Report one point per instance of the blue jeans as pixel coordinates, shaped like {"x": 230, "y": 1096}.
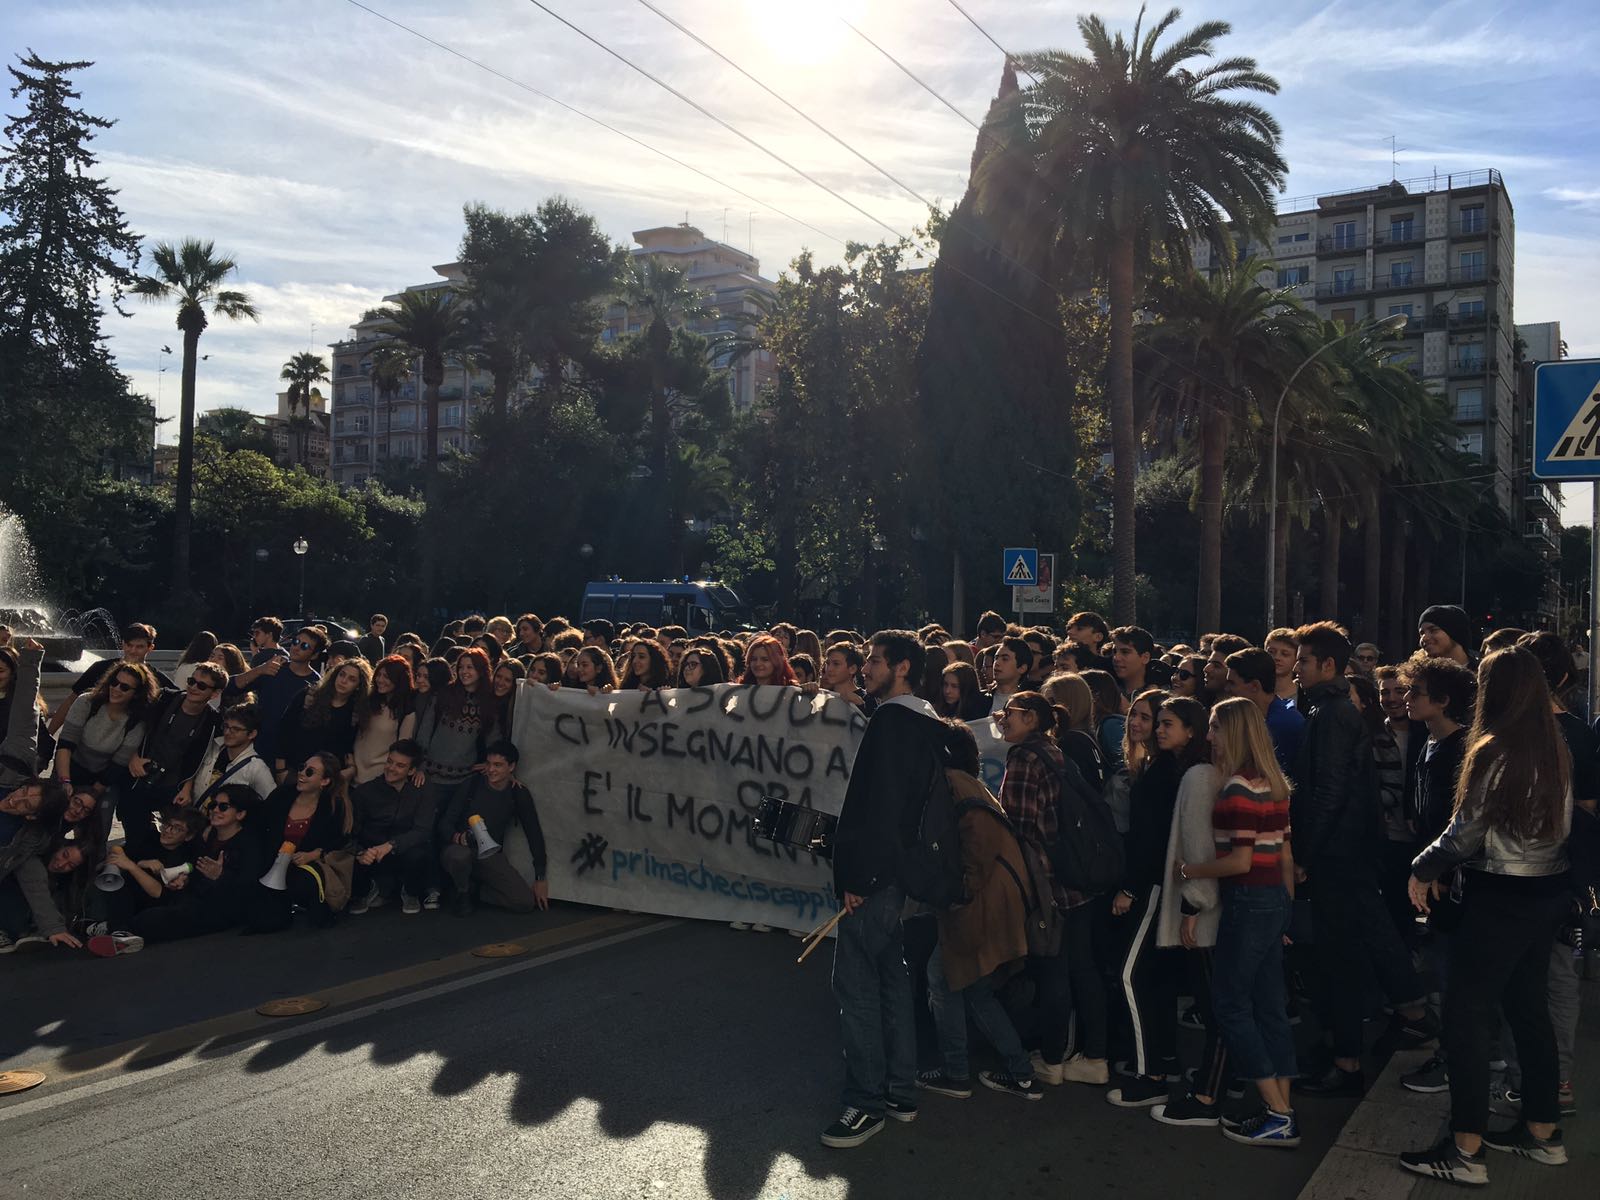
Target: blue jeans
{"x": 1247, "y": 993}
{"x": 876, "y": 1021}
{"x": 950, "y": 1017}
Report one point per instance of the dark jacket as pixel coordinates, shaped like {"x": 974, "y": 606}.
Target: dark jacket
{"x": 892, "y": 775}
{"x": 243, "y": 862}
{"x": 985, "y": 931}
{"x": 194, "y": 747}
{"x": 496, "y": 809}
{"x": 1154, "y": 796}
{"x": 402, "y": 817}
{"x": 325, "y": 833}
{"x": 1433, "y": 790}
{"x": 1335, "y": 811}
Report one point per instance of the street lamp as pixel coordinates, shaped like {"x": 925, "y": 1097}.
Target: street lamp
{"x": 300, "y": 548}
{"x": 1390, "y": 324}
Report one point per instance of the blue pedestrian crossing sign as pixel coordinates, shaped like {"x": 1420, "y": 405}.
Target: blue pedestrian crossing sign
{"x": 1019, "y": 565}
{"x": 1566, "y": 420}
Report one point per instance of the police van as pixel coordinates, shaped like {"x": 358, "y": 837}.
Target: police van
{"x": 700, "y": 606}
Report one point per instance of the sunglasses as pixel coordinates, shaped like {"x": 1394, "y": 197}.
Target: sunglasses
{"x": 1183, "y": 675}
{"x": 303, "y": 644}
{"x": 308, "y": 770}
{"x": 118, "y": 685}
{"x": 222, "y": 806}
{"x": 202, "y": 685}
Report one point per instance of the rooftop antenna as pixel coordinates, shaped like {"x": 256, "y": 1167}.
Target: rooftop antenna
{"x": 724, "y": 226}
{"x": 1394, "y": 158}
{"x": 750, "y": 233}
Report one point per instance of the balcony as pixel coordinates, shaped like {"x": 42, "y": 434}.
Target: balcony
{"x": 1463, "y": 275}
{"x": 1473, "y": 365}
{"x": 1341, "y": 287}
{"x": 1401, "y": 281}
{"x": 1460, "y": 321}
{"x": 1333, "y": 243}
{"x": 1540, "y": 531}
{"x": 1470, "y": 412}
{"x": 1401, "y": 235}
{"x": 1540, "y": 496}
{"x": 1471, "y": 227}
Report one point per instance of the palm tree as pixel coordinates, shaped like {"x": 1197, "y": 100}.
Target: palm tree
{"x": 193, "y": 273}
{"x": 387, "y": 369}
{"x": 661, "y": 290}
{"x": 303, "y": 371}
{"x": 1221, "y": 345}
{"x": 1140, "y": 153}
{"x": 432, "y": 324}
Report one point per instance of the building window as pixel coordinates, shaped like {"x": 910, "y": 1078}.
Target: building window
{"x": 1344, "y": 281}
{"x": 1470, "y": 308}
{"x": 1344, "y": 235}
{"x": 1472, "y": 264}
{"x": 1400, "y": 272}
{"x": 1303, "y": 236}
{"x": 1469, "y": 404}
{"x": 1402, "y": 229}
{"x": 1472, "y": 218}
{"x": 1472, "y": 443}
{"x": 1399, "y": 310}
{"x": 1470, "y": 356}
{"x": 1290, "y": 276}
{"x": 450, "y": 414}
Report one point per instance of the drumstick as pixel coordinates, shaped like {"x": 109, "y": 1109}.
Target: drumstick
{"x": 818, "y": 935}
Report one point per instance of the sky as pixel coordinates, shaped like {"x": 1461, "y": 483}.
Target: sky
{"x": 330, "y": 152}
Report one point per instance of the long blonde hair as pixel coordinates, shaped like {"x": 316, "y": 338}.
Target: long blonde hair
{"x": 1242, "y": 746}
{"x": 1069, "y": 691}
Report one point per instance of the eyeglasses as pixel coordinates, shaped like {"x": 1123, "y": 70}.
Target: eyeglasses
{"x": 120, "y": 685}
{"x": 308, "y": 769}
{"x": 302, "y": 644}
{"x": 1183, "y": 674}
{"x": 222, "y": 806}
{"x": 231, "y": 727}
{"x": 202, "y": 685}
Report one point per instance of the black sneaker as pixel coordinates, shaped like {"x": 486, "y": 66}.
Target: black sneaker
{"x": 1140, "y": 1092}
{"x": 851, "y": 1129}
{"x": 1023, "y": 1089}
{"x": 1186, "y": 1111}
{"x": 1447, "y": 1161}
{"x": 1431, "y": 1077}
{"x": 1191, "y": 1018}
{"x": 1237, "y": 1118}
{"x": 1407, "y": 1033}
{"x": 1234, "y": 1089}
{"x": 899, "y": 1110}
{"x": 1519, "y": 1140}
{"x": 944, "y": 1085}
{"x": 1335, "y": 1082}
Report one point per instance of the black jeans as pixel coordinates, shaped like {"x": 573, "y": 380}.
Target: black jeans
{"x": 1354, "y": 935}
{"x": 1394, "y": 874}
{"x": 405, "y": 869}
{"x": 1070, "y": 983}
{"x": 1500, "y": 960}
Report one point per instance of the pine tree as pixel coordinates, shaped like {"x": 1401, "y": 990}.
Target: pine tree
{"x": 65, "y": 252}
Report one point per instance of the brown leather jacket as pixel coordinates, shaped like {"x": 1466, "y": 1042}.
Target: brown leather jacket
{"x": 985, "y": 932}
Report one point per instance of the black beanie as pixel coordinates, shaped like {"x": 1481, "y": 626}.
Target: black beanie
{"x": 1452, "y": 620}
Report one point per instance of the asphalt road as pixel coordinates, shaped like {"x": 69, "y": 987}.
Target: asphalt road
{"x": 623, "y": 1057}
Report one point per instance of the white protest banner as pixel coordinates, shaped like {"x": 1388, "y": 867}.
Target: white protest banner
{"x": 647, "y": 799}
{"x": 992, "y": 751}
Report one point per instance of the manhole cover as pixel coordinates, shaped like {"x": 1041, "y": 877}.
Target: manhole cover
{"x": 291, "y": 1006}
{"x": 19, "y": 1081}
{"x": 501, "y": 950}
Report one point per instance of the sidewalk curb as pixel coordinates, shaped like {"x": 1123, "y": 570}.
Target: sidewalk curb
{"x": 1360, "y": 1165}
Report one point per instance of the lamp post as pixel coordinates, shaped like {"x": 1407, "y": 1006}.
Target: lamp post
{"x": 300, "y": 548}
{"x": 1389, "y": 324}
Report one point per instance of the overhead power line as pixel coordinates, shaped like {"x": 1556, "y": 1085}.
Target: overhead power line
{"x": 971, "y": 20}
{"x": 607, "y": 126}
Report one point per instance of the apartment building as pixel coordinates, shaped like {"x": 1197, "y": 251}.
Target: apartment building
{"x": 368, "y": 432}
{"x": 1440, "y": 250}
{"x": 734, "y": 290}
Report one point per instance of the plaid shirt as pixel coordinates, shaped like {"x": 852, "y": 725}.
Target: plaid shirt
{"x": 1030, "y": 792}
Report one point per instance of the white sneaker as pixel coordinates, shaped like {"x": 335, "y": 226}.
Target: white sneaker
{"x": 430, "y": 899}
{"x": 742, "y": 927}
{"x": 758, "y": 927}
{"x": 98, "y": 929}
{"x": 1079, "y": 1069}
{"x": 1045, "y": 1072}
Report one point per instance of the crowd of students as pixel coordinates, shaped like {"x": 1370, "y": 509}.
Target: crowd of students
{"x": 1299, "y": 830}
{"x": 1293, "y": 825}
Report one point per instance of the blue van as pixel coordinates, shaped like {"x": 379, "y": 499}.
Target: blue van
{"x": 700, "y": 606}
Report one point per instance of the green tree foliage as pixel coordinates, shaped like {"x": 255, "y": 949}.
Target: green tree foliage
{"x": 235, "y": 429}
{"x": 1138, "y": 149}
{"x": 65, "y": 250}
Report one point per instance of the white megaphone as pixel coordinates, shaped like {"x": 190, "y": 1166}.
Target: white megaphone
{"x": 171, "y": 874}
{"x": 108, "y": 878}
{"x": 480, "y": 837}
{"x": 277, "y": 876}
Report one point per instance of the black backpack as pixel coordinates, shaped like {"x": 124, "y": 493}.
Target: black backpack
{"x": 930, "y": 857}
{"x": 1089, "y": 855}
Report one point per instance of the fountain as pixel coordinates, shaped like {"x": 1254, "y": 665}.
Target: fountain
{"x": 66, "y": 636}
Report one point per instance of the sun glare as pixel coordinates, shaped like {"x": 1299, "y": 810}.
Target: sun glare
{"x": 803, "y": 31}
